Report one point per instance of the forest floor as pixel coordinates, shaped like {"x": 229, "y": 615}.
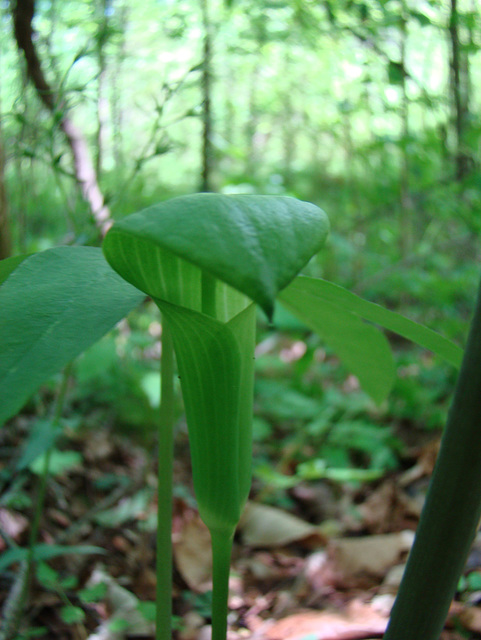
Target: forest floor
{"x": 291, "y": 579}
{"x": 312, "y": 560}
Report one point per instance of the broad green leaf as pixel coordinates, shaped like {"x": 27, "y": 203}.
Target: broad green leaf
{"x": 54, "y": 305}
{"x": 216, "y": 367}
{"x": 255, "y": 244}
{"x": 44, "y": 552}
{"x": 364, "y": 349}
{"x": 308, "y": 290}
{"x": 10, "y": 264}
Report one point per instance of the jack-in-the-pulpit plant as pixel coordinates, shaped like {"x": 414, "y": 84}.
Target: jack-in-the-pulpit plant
{"x": 207, "y": 260}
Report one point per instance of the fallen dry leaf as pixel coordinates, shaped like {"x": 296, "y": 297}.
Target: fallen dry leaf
{"x": 470, "y": 618}
{"x": 425, "y": 464}
{"x": 388, "y": 509}
{"x": 266, "y": 526}
{"x": 13, "y": 524}
{"x": 192, "y": 552}
{"x": 359, "y": 621}
{"x": 392, "y": 580}
{"x": 268, "y": 567}
{"x": 99, "y": 446}
{"x": 362, "y": 562}
{"x": 191, "y": 623}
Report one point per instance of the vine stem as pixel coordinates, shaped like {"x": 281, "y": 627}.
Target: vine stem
{"x": 450, "y": 516}
{"x": 221, "y": 554}
{"x": 164, "y": 506}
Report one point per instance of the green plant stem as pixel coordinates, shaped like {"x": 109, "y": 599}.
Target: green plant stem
{"x": 451, "y": 513}
{"x": 164, "y": 506}
{"x": 221, "y": 554}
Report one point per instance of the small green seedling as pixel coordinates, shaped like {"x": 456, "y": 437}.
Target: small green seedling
{"x": 206, "y": 260}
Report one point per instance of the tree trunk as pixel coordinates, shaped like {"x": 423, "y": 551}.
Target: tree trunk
{"x": 459, "y": 84}
{"x": 102, "y": 103}
{"x": 251, "y": 132}
{"x": 5, "y": 236}
{"x": 116, "y": 109}
{"x": 23, "y": 13}
{"x": 207, "y": 147}
{"x": 406, "y": 218}
{"x": 230, "y": 127}
{"x": 289, "y": 122}
{"x": 288, "y": 139}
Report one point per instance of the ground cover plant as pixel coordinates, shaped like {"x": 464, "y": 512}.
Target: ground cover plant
{"x": 205, "y": 260}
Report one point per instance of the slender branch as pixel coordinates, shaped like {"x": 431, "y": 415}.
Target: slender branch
{"x": 23, "y": 13}
{"x": 460, "y": 102}
{"x": 5, "y": 235}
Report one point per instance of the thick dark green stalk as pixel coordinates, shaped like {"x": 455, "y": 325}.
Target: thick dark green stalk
{"x": 164, "y": 500}
{"x": 451, "y": 514}
{"x": 221, "y": 554}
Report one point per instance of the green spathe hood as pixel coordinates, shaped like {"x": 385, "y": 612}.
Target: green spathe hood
{"x": 255, "y": 244}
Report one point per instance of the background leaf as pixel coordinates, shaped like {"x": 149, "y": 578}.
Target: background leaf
{"x": 305, "y": 291}
{"x": 45, "y": 552}
{"x": 53, "y": 306}
{"x": 42, "y": 436}
{"x": 364, "y": 349}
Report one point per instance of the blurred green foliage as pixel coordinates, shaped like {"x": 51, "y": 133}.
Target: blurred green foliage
{"x": 308, "y": 100}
